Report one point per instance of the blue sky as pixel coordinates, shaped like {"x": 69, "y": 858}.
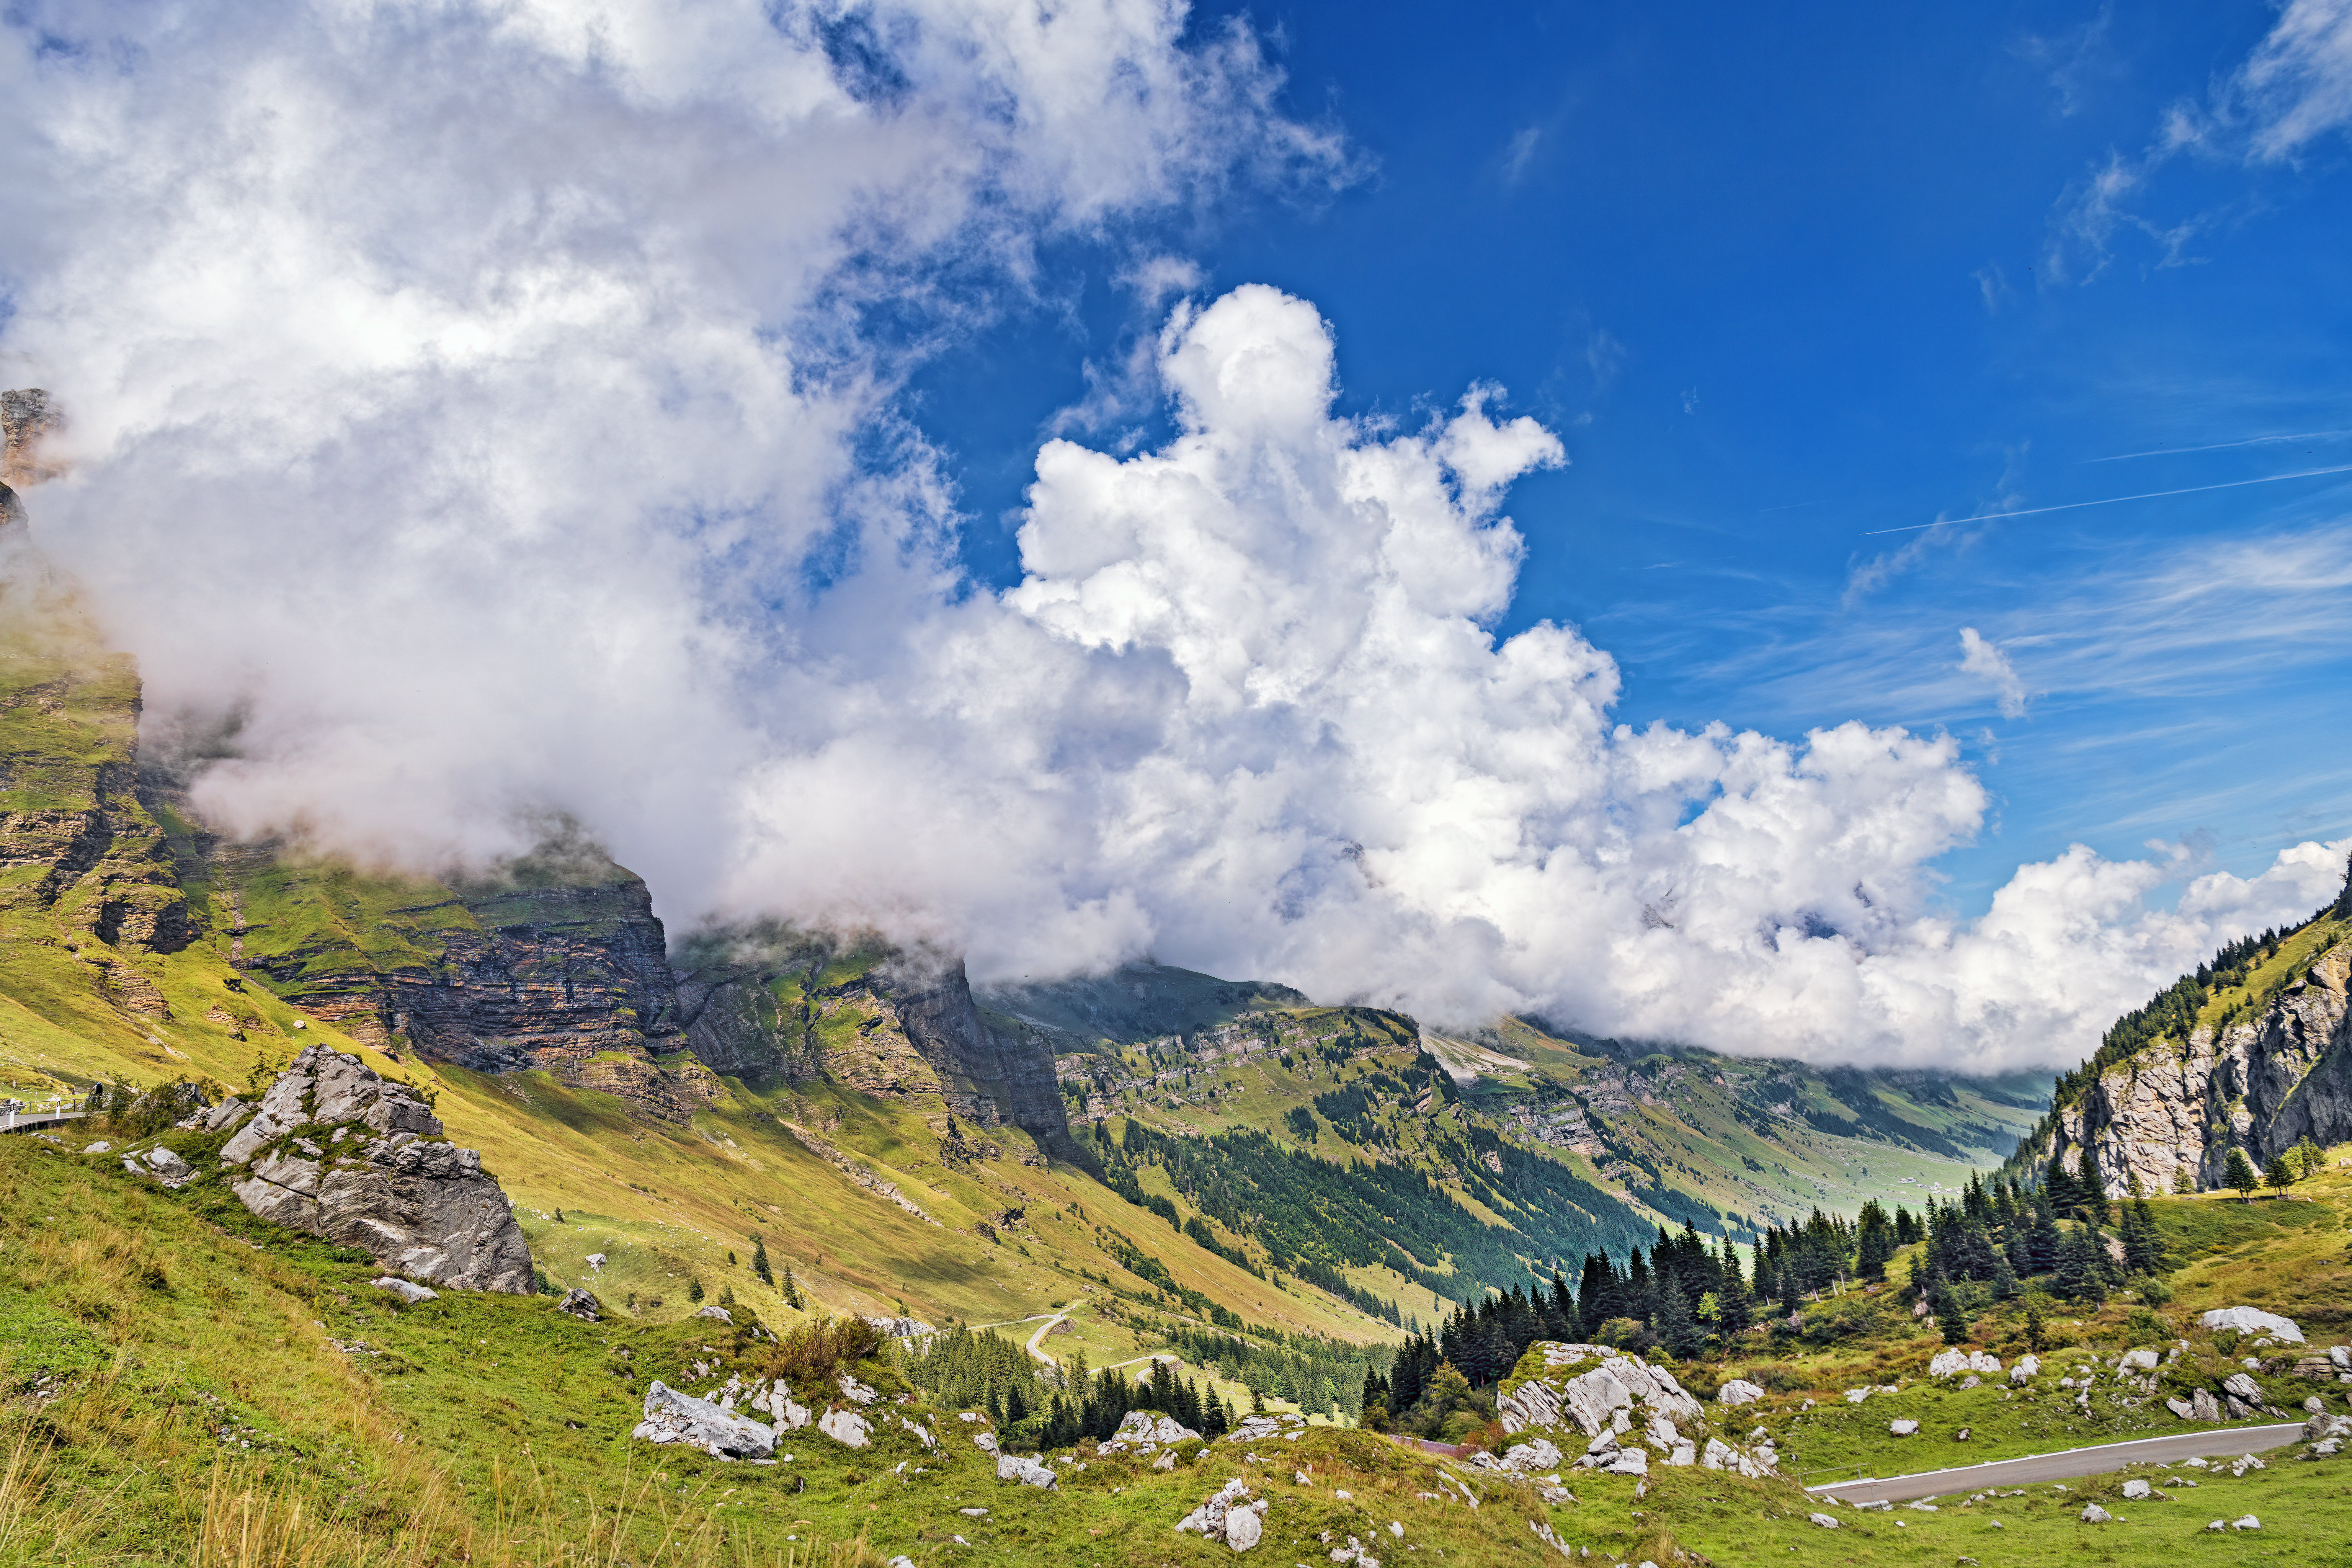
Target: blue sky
{"x": 1780, "y": 282}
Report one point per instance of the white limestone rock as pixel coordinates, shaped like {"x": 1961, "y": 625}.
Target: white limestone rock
{"x": 847, "y": 1427}
{"x": 1740, "y": 1391}
{"x": 1151, "y": 1426}
{"x": 1028, "y": 1472}
{"x": 672, "y": 1417}
{"x": 2252, "y": 1321}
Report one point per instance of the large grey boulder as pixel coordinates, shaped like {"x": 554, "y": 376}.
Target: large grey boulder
{"x": 1740, "y": 1391}
{"x": 1028, "y": 1472}
{"x": 2253, "y": 1321}
{"x": 336, "y": 1151}
{"x": 675, "y": 1417}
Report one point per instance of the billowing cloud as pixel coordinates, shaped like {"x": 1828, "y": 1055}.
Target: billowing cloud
{"x": 481, "y": 413}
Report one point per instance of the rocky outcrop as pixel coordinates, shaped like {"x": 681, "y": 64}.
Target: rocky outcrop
{"x": 335, "y": 1150}
{"x": 674, "y": 1417}
{"x": 2169, "y": 1115}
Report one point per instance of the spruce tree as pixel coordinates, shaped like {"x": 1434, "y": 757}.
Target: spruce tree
{"x": 2033, "y": 1321}
{"x": 1950, "y": 1320}
{"x": 1874, "y": 1242}
{"x": 694, "y": 1289}
{"x": 2240, "y": 1174}
{"x": 1676, "y": 1328}
{"x": 759, "y": 1262}
{"x": 2278, "y": 1173}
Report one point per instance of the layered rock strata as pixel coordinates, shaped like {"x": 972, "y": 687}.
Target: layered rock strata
{"x": 2168, "y": 1116}
{"x": 337, "y": 1151}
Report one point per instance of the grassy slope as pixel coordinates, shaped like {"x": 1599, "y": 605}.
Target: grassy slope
{"x": 169, "y": 1358}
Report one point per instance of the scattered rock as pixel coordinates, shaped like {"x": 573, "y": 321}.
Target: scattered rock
{"x": 2243, "y": 1387}
{"x": 2180, "y": 1407}
{"x": 1028, "y": 1472}
{"x": 984, "y": 1441}
{"x": 2094, "y": 1514}
{"x": 1904, "y": 1428}
{"x": 2252, "y": 1321}
{"x": 2247, "y": 1523}
{"x": 1950, "y": 1362}
{"x": 2027, "y": 1369}
{"x": 850, "y": 1430}
{"x": 2139, "y": 1360}
{"x": 406, "y": 1289}
{"x": 2137, "y": 1490}
{"x": 165, "y": 1167}
{"x": 1150, "y": 1426}
{"x": 596, "y": 1261}
{"x": 1534, "y": 1455}
{"x": 100, "y": 1147}
{"x": 1825, "y": 1521}
{"x": 1740, "y": 1391}
{"x": 904, "y": 1328}
{"x": 580, "y": 1305}
{"x": 721, "y": 1313}
{"x": 856, "y": 1391}
{"x": 1166, "y": 1461}
{"x": 672, "y": 1417}
{"x": 2204, "y": 1406}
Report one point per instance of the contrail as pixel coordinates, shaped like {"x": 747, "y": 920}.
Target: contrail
{"x": 2107, "y": 501}
{"x": 2225, "y": 445}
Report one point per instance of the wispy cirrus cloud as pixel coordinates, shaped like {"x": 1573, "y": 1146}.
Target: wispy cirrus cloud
{"x": 2292, "y": 90}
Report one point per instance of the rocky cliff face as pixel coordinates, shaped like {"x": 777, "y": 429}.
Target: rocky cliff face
{"x": 898, "y": 1025}
{"x": 334, "y": 1150}
{"x": 2260, "y": 1086}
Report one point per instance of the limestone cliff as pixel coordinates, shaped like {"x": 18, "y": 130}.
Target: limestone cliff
{"x": 2171, "y": 1114}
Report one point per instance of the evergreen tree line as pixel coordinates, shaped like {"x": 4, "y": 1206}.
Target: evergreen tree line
{"x": 1321, "y": 1376}
{"x": 1047, "y": 1408}
{"x": 1316, "y": 1217}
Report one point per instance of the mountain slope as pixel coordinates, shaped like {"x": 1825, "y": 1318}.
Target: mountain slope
{"x": 2253, "y": 1054}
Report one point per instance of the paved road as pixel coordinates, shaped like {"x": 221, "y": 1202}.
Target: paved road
{"x": 25, "y": 1121}
{"x": 1060, "y": 1313}
{"x": 2227, "y": 1441}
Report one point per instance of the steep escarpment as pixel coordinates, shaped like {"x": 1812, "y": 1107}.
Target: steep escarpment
{"x": 2258, "y": 1058}
{"x": 895, "y": 1024}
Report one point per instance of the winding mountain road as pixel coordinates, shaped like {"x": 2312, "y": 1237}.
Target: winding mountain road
{"x": 2220, "y": 1442}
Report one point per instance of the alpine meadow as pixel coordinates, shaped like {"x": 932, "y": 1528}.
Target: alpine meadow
{"x": 891, "y": 783}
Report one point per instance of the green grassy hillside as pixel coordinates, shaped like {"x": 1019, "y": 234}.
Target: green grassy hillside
{"x": 184, "y": 1384}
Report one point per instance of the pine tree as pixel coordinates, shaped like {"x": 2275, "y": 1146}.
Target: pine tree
{"x": 759, "y": 1262}
{"x": 1950, "y": 1320}
{"x": 2279, "y": 1175}
{"x": 1676, "y": 1328}
{"x": 2240, "y": 1174}
{"x": 694, "y": 1289}
{"x": 792, "y": 1289}
{"x": 1874, "y": 1242}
